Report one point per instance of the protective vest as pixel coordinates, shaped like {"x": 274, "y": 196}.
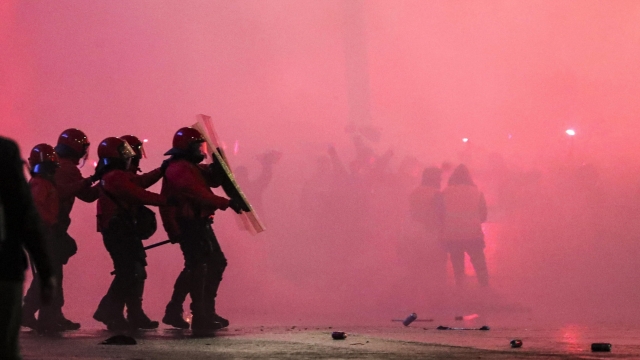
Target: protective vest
{"x": 45, "y": 197}
{"x": 465, "y": 210}
{"x": 190, "y": 185}
{"x": 128, "y": 190}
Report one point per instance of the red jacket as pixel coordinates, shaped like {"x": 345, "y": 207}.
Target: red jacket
{"x": 45, "y": 197}
{"x": 129, "y": 190}
{"x": 190, "y": 185}
{"x": 71, "y": 185}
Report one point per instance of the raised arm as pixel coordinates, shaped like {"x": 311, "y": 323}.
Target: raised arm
{"x": 70, "y": 183}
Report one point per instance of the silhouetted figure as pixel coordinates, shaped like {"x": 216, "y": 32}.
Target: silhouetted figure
{"x": 425, "y": 201}
{"x": 189, "y": 224}
{"x": 44, "y": 163}
{"x": 71, "y": 148}
{"x": 20, "y": 226}
{"x": 465, "y": 210}
{"x": 426, "y": 210}
{"x": 121, "y": 194}
{"x": 254, "y": 188}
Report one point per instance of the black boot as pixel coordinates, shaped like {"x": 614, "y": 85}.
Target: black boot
{"x": 173, "y": 316}
{"x": 29, "y": 321}
{"x": 48, "y": 327}
{"x": 66, "y": 323}
{"x": 219, "y": 319}
{"x": 114, "y": 322}
{"x": 140, "y": 320}
{"x": 204, "y": 325}
{"x": 48, "y": 322}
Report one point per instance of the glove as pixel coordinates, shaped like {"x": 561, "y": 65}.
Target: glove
{"x": 216, "y": 169}
{"x": 238, "y": 205}
{"x": 97, "y": 175}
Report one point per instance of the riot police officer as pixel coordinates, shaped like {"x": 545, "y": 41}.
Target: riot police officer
{"x": 72, "y": 148}
{"x": 119, "y": 210}
{"x": 189, "y": 224}
{"x": 44, "y": 163}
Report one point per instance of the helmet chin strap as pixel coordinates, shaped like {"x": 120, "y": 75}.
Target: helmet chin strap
{"x": 83, "y": 160}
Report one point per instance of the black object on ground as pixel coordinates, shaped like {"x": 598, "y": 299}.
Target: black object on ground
{"x": 516, "y": 343}
{"x": 601, "y": 347}
{"x": 483, "y": 328}
{"x": 120, "y": 340}
{"x": 409, "y": 319}
{"x": 338, "y": 335}
{"x": 459, "y": 318}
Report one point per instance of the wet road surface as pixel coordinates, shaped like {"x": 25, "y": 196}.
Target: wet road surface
{"x": 422, "y": 341}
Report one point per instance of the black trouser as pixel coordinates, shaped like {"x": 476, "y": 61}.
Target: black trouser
{"x": 204, "y": 264}
{"x": 62, "y": 248}
{"x": 51, "y": 313}
{"x": 129, "y": 262}
{"x": 475, "y": 250}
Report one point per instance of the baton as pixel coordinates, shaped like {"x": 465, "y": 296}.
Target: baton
{"x": 157, "y": 244}
{"x": 150, "y": 247}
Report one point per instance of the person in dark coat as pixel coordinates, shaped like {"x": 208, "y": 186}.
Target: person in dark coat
{"x": 20, "y": 228}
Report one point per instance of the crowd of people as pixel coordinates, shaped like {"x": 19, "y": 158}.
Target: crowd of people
{"x": 366, "y": 233}
{"x": 410, "y": 220}
{"x": 358, "y": 221}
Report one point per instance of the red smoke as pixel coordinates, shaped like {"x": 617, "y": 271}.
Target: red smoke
{"x": 412, "y": 78}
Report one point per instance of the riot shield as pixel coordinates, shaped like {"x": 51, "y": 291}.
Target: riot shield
{"x": 249, "y": 218}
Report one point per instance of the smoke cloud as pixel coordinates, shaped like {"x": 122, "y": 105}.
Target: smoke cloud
{"x": 359, "y": 97}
